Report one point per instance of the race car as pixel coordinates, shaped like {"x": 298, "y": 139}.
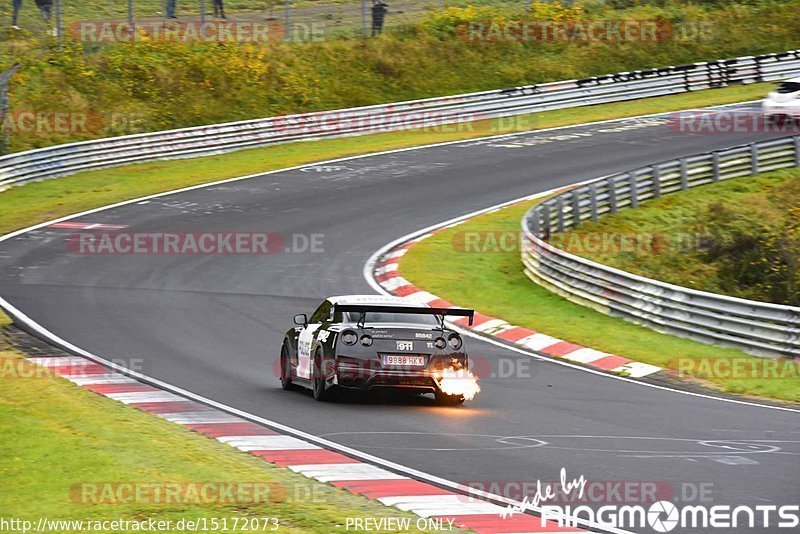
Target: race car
{"x": 783, "y": 102}
{"x": 366, "y": 342}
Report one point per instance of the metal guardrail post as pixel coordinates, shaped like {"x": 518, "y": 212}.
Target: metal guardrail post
{"x": 684, "y": 174}
{"x": 546, "y": 220}
{"x": 656, "y": 181}
{"x": 593, "y": 200}
{"x": 560, "y": 213}
{"x": 576, "y": 209}
{"x": 612, "y": 195}
{"x": 797, "y": 150}
{"x": 536, "y": 224}
{"x": 634, "y": 192}
{"x": 715, "y": 166}
{"x": 754, "y": 157}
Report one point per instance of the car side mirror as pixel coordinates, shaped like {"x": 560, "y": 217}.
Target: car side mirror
{"x": 301, "y": 319}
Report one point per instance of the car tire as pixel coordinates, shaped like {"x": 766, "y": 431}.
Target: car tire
{"x": 443, "y": 399}
{"x": 318, "y": 378}
{"x": 286, "y": 369}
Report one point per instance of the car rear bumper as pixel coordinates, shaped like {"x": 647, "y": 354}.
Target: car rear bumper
{"x": 351, "y": 378}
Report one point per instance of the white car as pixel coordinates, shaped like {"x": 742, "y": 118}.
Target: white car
{"x": 784, "y": 101}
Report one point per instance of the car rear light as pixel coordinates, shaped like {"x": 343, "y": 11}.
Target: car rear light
{"x": 349, "y": 337}
{"x": 366, "y": 340}
{"x": 440, "y": 343}
{"x": 455, "y": 342}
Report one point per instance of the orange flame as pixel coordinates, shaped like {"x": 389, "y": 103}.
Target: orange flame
{"x": 458, "y": 382}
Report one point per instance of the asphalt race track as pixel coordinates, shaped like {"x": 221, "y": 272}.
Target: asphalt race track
{"x": 213, "y": 324}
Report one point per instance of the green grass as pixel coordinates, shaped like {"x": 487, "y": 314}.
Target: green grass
{"x": 493, "y": 283}
{"x": 88, "y": 90}
{"x": 42, "y": 201}
{"x": 679, "y": 229}
{"x": 56, "y": 435}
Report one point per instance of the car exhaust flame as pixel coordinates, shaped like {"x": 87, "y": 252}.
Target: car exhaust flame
{"x": 458, "y": 382}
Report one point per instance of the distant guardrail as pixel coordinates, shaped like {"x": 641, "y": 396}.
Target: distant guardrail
{"x": 61, "y": 160}
{"x": 756, "y": 327}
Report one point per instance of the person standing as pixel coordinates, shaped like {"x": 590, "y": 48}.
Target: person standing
{"x": 15, "y": 15}
{"x": 45, "y": 8}
{"x": 219, "y": 9}
{"x": 171, "y": 9}
{"x": 379, "y": 10}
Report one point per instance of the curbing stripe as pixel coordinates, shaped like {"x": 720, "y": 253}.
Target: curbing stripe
{"x": 298, "y": 455}
{"x": 498, "y": 328}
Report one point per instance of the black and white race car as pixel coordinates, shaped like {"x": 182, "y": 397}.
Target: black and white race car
{"x": 363, "y": 342}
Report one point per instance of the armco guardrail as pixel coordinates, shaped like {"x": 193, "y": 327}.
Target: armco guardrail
{"x": 756, "y": 327}
{"x": 62, "y": 160}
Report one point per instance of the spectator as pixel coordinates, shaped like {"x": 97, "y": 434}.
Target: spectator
{"x": 379, "y": 9}
{"x": 15, "y": 15}
{"x": 45, "y": 8}
{"x": 219, "y": 9}
{"x": 171, "y": 9}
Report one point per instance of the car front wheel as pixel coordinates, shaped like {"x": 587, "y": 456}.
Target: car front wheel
{"x": 286, "y": 368}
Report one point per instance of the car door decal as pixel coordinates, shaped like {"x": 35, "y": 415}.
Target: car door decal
{"x": 305, "y": 342}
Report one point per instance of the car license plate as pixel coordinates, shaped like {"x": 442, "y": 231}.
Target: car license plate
{"x": 403, "y": 360}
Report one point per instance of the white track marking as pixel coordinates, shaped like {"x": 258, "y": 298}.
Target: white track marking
{"x": 197, "y": 418}
{"x": 350, "y": 471}
{"x": 140, "y": 397}
{"x": 55, "y": 361}
{"x": 92, "y": 380}
{"x": 586, "y": 355}
{"x": 636, "y": 369}
{"x": 267, "y": 443}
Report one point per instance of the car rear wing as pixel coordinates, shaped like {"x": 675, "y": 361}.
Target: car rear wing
{"x": 363, "y": 308}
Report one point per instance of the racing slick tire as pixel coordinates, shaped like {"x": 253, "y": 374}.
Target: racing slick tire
{"x": 286, "y": 369}
{"x": 318, "y": 378}
{"x": 443, "y": 399}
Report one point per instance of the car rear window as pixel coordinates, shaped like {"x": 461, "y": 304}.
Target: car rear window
{"x": 788, "y": 87}
{"x": 374, "y": 317}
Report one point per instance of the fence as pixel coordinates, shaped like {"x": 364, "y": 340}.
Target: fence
{"x": 756, "y": 327}
{"x": 288, "y": 19}
{"x": 61, "y": 160}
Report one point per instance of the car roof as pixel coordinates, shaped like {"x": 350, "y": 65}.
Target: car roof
{"x": 791, "y": 80}
{"x": 378, "y": 300}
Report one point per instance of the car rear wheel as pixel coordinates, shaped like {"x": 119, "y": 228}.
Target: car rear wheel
{"x": 286, "y": 368}
{"x": 320, "y": 393}
{"x": 443, "y": 399}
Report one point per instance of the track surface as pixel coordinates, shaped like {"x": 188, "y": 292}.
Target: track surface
{"x": 213, "y": 324}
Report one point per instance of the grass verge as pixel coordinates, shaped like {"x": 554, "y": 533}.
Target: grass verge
{"x": 57, "y": 436}
{"x": 38, "y": 202}
{"x": 497, "y": 287}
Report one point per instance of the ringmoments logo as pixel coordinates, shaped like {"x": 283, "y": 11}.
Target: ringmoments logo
{"x": 659, "y": 516}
